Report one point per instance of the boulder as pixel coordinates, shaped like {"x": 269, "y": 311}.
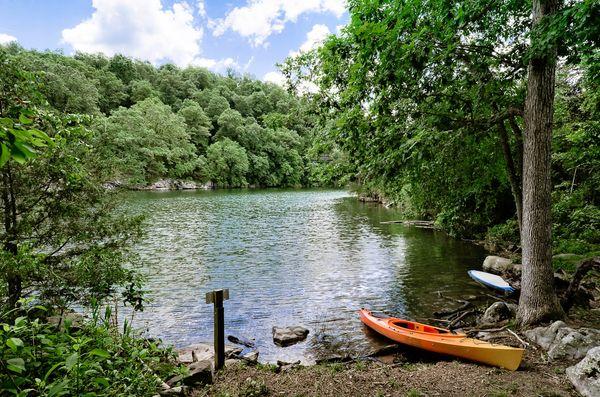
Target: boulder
{"x": 499, "y": 311}
{"x": 204, "y": 351}
{"x": 251, "y": 357}
{"x": 496, "y": 264}
{"x": 199, "y": 373}
{"x": 563, "y": 342}
{"x": 184, "y": 185}
{"x": 585, "y": 375}
{"x": 286, "y": 336}
{"x": 73, "y": 319}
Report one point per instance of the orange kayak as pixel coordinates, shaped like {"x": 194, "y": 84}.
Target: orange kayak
{"x": 440, "y": 340}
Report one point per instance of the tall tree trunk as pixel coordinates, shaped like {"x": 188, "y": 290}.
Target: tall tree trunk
{"x": 538, "y": 301}
{"x": 13, "y": 278}
{"x": 513, "y": 175}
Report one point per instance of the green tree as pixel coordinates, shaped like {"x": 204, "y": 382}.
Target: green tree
{"x": 227, "y": 163}
{"x": 198, "y": 124}
{"x": 146, "y": 142}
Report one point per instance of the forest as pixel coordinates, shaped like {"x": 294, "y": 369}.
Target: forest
{"x": 481, "y": 117}
{"x": 433, "y": 122}
{"x": 162, "y": 122}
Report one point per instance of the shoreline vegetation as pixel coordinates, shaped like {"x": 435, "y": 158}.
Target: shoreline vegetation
{"x": 481, "y": 121}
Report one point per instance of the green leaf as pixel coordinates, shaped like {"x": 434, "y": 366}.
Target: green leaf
{"x": 14, "y": 343}
{"x": 4, "y": 154}
{"x": 71, "y": 361}
{"x": 16, "y": 365}
{"x": 102, "y": 382}
{"x": 100, "y": 353}
{"x": 24, "y": 119}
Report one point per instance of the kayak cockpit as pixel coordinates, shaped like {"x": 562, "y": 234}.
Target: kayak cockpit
{"x": 412, "y": 326}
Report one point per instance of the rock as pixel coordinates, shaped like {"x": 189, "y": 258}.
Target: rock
{"x": 251, "y": 357}
{"x": 283, "y": 366}
{"x": 563, "y": 342}
{"x": 240, "y": 341}
{"x": 286, "y": 336}
{"x": 199, "y": 373}
{"x": 75, "y": 320}
{"x": 204, "y": 351}
{"x": 385, "y": 351}
{"x": 232, "y": 361}
{"x": 585, "y": 375}
{"x": 498, "y": 311}
{"x": 184, "y": 185}
{"x": 544, "y": 336}
{"x": 496, "y": 264}
{"x": 334, "y": 359}
{"x": 175, "y": 391}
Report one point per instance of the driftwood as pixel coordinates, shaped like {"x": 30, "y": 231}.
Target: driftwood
{"x": 454, "y": 322}
{"x": 443, "y": 313}
{"x": 583, "y": 268}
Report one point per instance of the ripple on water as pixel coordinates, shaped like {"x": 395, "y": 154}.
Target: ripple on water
{"x": 311, "y": 257}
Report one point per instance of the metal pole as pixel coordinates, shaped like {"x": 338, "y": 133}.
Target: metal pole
{"x": 217, "y": 297}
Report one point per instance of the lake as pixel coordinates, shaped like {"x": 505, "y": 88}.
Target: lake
{"x": 289, "y": 257}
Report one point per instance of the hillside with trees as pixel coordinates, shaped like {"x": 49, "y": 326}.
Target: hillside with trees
{"x": 153, "y": 123}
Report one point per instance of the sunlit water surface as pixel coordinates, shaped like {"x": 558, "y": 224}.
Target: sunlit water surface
{"x": 289, "y": 257}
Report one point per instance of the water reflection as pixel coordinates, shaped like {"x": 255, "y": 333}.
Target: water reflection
{"x": 309, "y": 257}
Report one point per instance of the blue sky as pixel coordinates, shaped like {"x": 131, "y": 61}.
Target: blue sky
{"x": 248, "y": 35}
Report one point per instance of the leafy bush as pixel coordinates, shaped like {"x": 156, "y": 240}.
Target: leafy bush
{"x": 502, "y": 236}
{"x": 38, "y": 359}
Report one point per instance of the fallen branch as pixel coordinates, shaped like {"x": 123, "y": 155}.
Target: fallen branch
{"x": 583, "y": 268}
{"x": 450, "y": 312}
{"x": 457, "y": 319}
{"x": 518, "y": 338}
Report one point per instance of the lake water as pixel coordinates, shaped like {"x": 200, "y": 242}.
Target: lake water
{"x": 289, "y": 257}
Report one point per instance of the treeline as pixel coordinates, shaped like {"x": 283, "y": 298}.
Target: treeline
{"x": 428, "y": 100}
{"x": 165, "y": 122}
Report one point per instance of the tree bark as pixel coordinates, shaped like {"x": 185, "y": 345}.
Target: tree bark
{"x": 513, "y": 176}
{"x": 13, "y": 279}
{"x": 538, "y": 301}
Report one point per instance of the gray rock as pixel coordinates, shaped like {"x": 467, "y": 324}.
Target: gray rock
{"x": 497, "y": 264}
{"x": 251, "y": 357}
{"x": 75, "y": 320}
{"x": 585, "y": 375}
{"x": 199, "y": 373}
{"x": 544, "y": 336}
{"x": 240, "y": 341}
{"x": 175, "y": 391}
{"x": 563, "y": 342}
{"x": 498, "y": 311}
{"x": 204, "y": 351}
{"x": 283, "y": 366}
{"x": 286, "y": 336}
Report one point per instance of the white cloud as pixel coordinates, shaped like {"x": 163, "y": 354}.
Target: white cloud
{"x": 201, "y": 8}
{"x": 314, "y": 38}
{"x": 259, "y": 19}
{"x": 217, "y": 65}
{"x": 275, "y": 78}
{"x": 6, "y": 38}
{"x": 138, "y": 28}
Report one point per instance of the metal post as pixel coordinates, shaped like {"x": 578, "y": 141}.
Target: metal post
{"x": 217, "y": 297}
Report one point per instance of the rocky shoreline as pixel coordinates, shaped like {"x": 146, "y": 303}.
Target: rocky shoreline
{"x": 572, "y": 350}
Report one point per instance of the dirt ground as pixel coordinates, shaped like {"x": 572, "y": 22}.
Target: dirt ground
{"x": 430, "y": 377}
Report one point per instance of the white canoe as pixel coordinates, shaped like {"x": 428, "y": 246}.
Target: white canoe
{"x": 491, "y": 280}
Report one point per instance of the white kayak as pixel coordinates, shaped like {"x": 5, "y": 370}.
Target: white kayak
{"x": 491, "y": 280}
